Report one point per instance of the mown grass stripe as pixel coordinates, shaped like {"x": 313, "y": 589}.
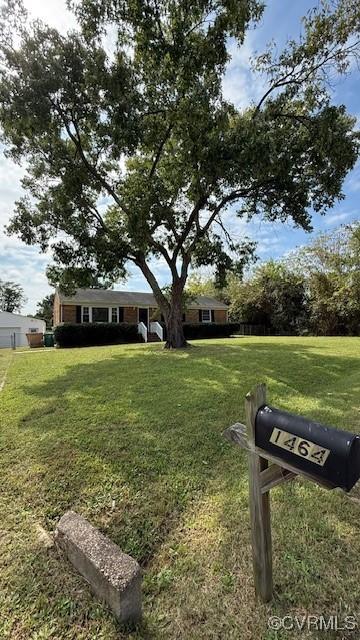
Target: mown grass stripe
{"x": 5, "y": 362}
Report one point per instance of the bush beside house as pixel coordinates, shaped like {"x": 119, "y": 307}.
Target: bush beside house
{"x": 93, "y": 334}
{"x": 196, "y": 331}
{"x": 210, "y": 330}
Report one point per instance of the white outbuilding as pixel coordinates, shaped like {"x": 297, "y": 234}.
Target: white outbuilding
{"x": 13, "y": 324}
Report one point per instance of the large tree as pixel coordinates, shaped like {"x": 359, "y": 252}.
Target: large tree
{"x": 11, "y": 296}
{"x": 134, "y": 155}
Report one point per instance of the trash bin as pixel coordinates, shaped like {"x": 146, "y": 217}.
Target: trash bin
{"x": 48, "y": 339}
{"x": 35, "y": 339}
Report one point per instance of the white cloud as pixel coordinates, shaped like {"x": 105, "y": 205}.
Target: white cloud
{"x": 32, "y": 279}
{"x": 338, "y": 218}
{"x": 53, "y": 12}
{"x": 25, "y": 266}
{"x": 18, "y": 262}
{"x": 241, "y": 86}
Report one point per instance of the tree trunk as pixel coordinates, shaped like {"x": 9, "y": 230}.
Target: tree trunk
{"x": 175, "y": 338}
{"x": 172, "y": 310}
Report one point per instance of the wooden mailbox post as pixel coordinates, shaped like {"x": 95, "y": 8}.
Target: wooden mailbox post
{"x": 259, "y": 502}
{"x": 293, "y": 446}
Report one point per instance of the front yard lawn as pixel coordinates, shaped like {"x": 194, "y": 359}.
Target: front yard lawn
{"x": 130, "y": 437}
{"x": 5, "y": 359}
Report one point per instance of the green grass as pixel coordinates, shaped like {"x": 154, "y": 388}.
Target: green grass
{"x": 130, "y": 437}
{"x": 5, "y": 360}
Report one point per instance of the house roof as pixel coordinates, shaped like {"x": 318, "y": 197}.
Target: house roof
{"x": 130, "y": 299}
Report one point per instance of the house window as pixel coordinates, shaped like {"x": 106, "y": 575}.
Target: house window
{"x": 85, "y": 314}
{"x": 206, "y": 315}
{"x": 100, "y": 314}
{"x": 114, "y": 314}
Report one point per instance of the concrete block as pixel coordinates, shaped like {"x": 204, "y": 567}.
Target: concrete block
{"x": 114, "y": 576}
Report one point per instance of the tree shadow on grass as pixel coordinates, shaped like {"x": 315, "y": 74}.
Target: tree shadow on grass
{"x": 133, "y": 440}
{"x": 139, "y": 433}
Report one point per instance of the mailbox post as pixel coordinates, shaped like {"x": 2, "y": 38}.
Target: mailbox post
{"x": 259, "y": 503}
{"x": 293, "y": 446}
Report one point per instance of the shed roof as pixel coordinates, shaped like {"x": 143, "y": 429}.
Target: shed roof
{"x": 130, "y": 299}
{"x": 8, "y": 319}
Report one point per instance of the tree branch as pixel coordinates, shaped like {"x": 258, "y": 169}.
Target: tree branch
{"x": 161, "y": 249}
{"x": 224, "y": 230}
{"x": 98, "y": 217}
{"x": 192, "y": 218}
{"x": 231, "y": 197}
{"x": 76, "y": 139}
{"x": 302, "y": 75}
{"x": 162, "y": 301}
{"x": 160, "y": 149}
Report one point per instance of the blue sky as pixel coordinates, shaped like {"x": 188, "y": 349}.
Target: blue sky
{"x": 281, "y": 20}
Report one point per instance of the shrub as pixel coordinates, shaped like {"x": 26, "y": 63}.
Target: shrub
{"x": 93, "y": 334}
{"x": 209, "y": 330}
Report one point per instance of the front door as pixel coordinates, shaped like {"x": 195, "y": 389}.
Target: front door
{"x": 144, "y": 316}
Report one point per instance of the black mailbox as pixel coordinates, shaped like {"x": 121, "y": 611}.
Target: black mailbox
{"x": 321, "y": 451}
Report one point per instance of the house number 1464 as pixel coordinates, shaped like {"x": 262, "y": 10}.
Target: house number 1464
{"x": 299, "y": 446}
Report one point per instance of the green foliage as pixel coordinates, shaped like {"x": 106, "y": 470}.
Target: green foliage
{"x": 84, "y": 278}
{"x": 274, "y": 297}
{"x": 92, "y": 334}
{"x": 198, "y": 285}
{"x": 135, "y": 155}
{"x": 317, "y": 291}
{"x": 202, "y": 285}
{"x": 209, "y": 330}
{"x": 11, "y": 296}
{"x": 331, "y": 266}
{"x": 44, "y": 309}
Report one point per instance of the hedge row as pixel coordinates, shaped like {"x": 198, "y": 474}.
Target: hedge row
{"x": 92, "y": 334}
{"x": 209, "y": 330}
{"x": 197, "y": 331}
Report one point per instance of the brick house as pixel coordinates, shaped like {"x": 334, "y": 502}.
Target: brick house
{"x": 101, "y": 305}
